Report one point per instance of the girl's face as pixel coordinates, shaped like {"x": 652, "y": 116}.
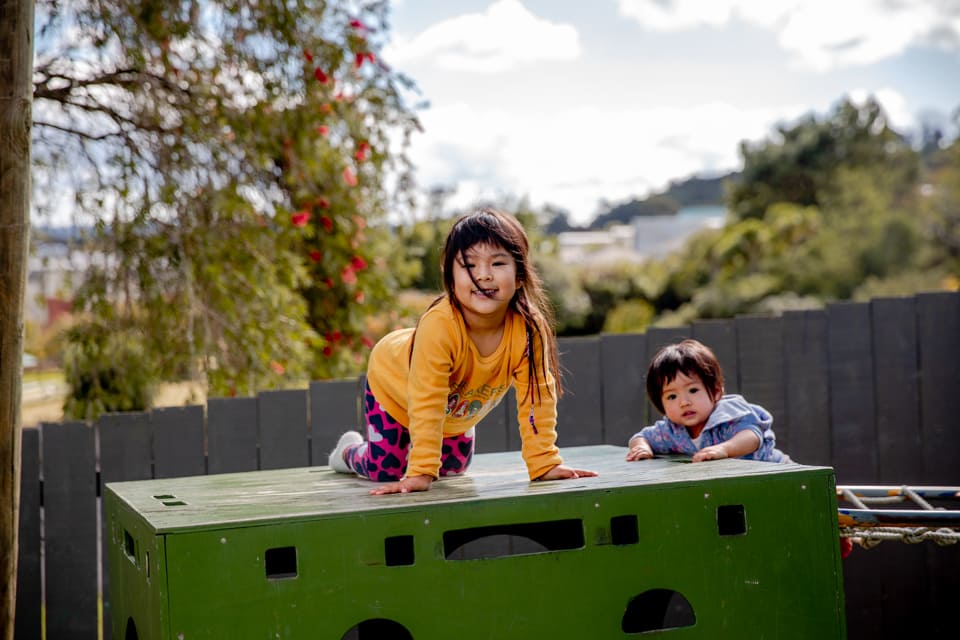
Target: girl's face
{"x": 687, "y": 402}
{"x": 489, "y": 292}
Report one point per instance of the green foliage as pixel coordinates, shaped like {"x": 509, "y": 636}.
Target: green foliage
{"x": 629, "y": 316}
{"x": 106, "y": 371}
{"x": 801, "y": 163}
{"x": 233, "y": 156}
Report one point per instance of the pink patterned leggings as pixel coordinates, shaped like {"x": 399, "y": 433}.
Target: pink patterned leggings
{"x": 383, "y": 457}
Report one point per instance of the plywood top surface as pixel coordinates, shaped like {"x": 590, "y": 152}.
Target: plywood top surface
{"x": 311, "y": 492}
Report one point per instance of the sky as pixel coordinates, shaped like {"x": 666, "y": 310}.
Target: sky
{"x": 572, "y": 103}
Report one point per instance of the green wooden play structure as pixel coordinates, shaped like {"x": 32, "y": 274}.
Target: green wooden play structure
{"x": 726, "y": 549}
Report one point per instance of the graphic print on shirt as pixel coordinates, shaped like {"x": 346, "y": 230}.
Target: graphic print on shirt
{"x": 468, "y": 403}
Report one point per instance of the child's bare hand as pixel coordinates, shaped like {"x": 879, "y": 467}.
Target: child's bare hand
{"x": 639, "y": 451}
{"x": 563, "y": 472}
{"x": 716, "y": 452}
{"x": 404, "y": 485}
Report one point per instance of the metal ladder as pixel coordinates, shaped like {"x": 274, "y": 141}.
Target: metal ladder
{"x": 919, "y": 521}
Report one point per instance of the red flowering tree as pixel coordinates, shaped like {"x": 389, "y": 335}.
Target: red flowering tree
{"x": 233, "y": 159}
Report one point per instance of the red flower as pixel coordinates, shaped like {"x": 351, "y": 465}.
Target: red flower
{"x": 323, "y": 130}
{"x": 320, "y": 75}
{"x": 349, "y": 177}
{"x": 328, "y": 282}
{"x": 327, "y": 223}
{"x": 361, "y": 56}
{"x": 308, "y": 55}
{"x": 356, "y": 24}
{"x": 322, "y": 203}
{"x": 278, "y": 368}
{"x": 300, "y": 218}
{"x": 359, "y": 297}
{"x": 358, "y": 263}
{"x": 367, "y": 342}
{"x": 316, "y": 256}
{"x": 327, "y": 351}
{"x": 348, "y": 275}
{"x": 334, "y": 336}
{"x": 362, "y": 150}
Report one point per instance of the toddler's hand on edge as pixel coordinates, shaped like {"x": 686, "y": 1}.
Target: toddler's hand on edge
{"x": 639, "y": 452}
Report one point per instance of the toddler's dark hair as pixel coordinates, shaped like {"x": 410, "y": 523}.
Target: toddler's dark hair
{"x": 687, "y": 357}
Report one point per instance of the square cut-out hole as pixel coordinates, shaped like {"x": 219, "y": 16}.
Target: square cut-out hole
{"x": 624, "y": 530}
{"x": 398, "y": 551}
{"x": 129, "y": 547}
{"x": 731, "y": 520}
{"x": 280, "y": 563}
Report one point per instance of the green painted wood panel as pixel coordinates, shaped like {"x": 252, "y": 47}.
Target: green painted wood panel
{"x": 309, "y": 553}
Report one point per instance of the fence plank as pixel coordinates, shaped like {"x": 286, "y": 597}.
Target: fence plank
{"x": 125, "y": 454}
{"x": 177, "y": 442}
{"x": 904, "y": 577}
{"x": 70, "y": 529}
{"x": 852, "y": 417}
{"x": 896, "y": 367}
{"x": 760, "y": 343}
{"x": 938, "y": 332}
{"x": 623, "y": 358}
{"x": 580, "y": 410}
{"x": 721, "y": 337}
{"x": 29, "y": 592}
{"x": 938, "y": 328}
{"x": 335, "y": 406}
{"x": 232, "y": 435}
{"x": 807, "y": 387}
{"x": 852, "y": 396}
{"x": 282, "y": 420}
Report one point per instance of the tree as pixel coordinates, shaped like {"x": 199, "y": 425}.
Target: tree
{"x": 15, "y": 116}
{"x": 798, "y": 164}
{"x": 231, "y": 156}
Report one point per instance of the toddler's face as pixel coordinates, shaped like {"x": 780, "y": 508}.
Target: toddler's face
{"x": 687, "y": 401}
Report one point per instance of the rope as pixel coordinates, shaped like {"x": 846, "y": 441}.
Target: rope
{"x": 869, "y": 537}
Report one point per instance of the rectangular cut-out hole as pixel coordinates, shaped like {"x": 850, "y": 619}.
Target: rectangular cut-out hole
{"x": 731, "y": 520}
{"x": 505, "y": 540}
{"x": 398, "y": 551}
{"x": 624, "y": 530}
{"x": 174, "y": 503}
{"x": 165, "y": 497}
{"x": 280, "y": 563}
{"x": 129, "y": 547}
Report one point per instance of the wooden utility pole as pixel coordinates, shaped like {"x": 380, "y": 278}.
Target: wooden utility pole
{"x": 16, "y": 99}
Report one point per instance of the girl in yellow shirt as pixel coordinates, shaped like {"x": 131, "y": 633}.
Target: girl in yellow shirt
{"x": 427, "y": 387}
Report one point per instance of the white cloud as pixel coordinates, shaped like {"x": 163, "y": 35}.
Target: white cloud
{"x": 821, "y": 34}
{"x": 505, "y": 36}
{"x": 575, "y": 158}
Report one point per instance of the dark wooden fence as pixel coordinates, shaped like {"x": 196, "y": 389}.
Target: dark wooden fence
{"x": 871, "y": 389}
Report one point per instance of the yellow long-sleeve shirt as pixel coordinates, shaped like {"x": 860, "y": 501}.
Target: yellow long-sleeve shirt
{"x": 447, "y": 387}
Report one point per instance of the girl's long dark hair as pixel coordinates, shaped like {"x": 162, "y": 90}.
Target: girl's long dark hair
{"x": 493, "y": 227}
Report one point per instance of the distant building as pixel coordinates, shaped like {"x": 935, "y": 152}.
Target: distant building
{"x": 54, "y": 269}
{"x": 645, "y": 237}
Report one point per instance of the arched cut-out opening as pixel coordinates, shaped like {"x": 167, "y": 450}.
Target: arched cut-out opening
{"x": 501, "y": 541}
{"x": 657, "y": 610}
{"x": 378, "y": 629}
{"x": 131, "y": 631}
